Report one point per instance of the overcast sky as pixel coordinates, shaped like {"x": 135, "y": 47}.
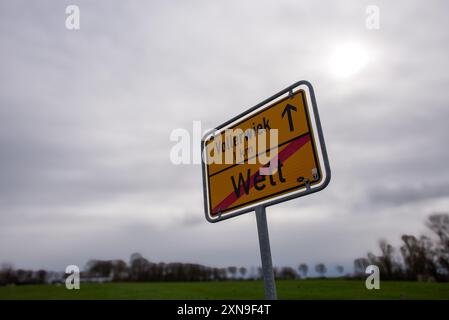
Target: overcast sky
{"x": 86, "y": 115}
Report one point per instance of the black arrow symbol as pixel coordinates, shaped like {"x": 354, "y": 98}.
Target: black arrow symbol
{"x": 288, "y": 109}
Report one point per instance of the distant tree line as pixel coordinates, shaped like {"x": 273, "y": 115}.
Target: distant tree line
{"x": 8, "y": 275}
{"x": 141, "y": 269}
{"x": 418, "y": 258}
{"x": 424, "y": 258}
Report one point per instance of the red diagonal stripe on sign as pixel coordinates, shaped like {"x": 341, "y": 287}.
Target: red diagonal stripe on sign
{"x": 288, "y": 151}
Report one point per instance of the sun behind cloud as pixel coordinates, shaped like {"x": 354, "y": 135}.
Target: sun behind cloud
{"x": 348, "y": 59}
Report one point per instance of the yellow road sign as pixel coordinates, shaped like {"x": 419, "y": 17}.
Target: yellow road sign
{"x": 234, "y": 182}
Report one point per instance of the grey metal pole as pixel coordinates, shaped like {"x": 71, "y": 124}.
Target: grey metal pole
{"x": 265, "y": 254}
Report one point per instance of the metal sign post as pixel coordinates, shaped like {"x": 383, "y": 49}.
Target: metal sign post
{"x": 265, "y": 253}
{"x": 233, "y": 186}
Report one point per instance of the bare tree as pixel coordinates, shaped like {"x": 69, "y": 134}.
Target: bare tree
{"x": 139, "y": 267}
{"x": 387, "y": 263}
{"x": 439, "y": 224}
{"x": 287, "y": 273}
{"x": 119, "y": 269}
{"x": 7, "y": 274}
{"x": 418, "y": 254}
{"x": 360, "y": 265}
{"x": 233, "y": 271}
{"x": 41, "y": 276}
{"x": 303, "y": 268}
{"x": 340, "y": 269}
{"x": 242, "y": 271}
{"x": 99, "y": 268}
{"x": 321, "y": 269}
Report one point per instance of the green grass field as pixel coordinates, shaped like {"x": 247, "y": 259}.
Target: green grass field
{"x": 288, "y": 289}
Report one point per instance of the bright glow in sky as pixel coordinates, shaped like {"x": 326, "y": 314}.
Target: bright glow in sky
{"x": 348, "y": 59}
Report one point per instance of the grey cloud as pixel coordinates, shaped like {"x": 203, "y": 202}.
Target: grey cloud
{"x": 406, "y": 194}
{"x": 86, "y": 117}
